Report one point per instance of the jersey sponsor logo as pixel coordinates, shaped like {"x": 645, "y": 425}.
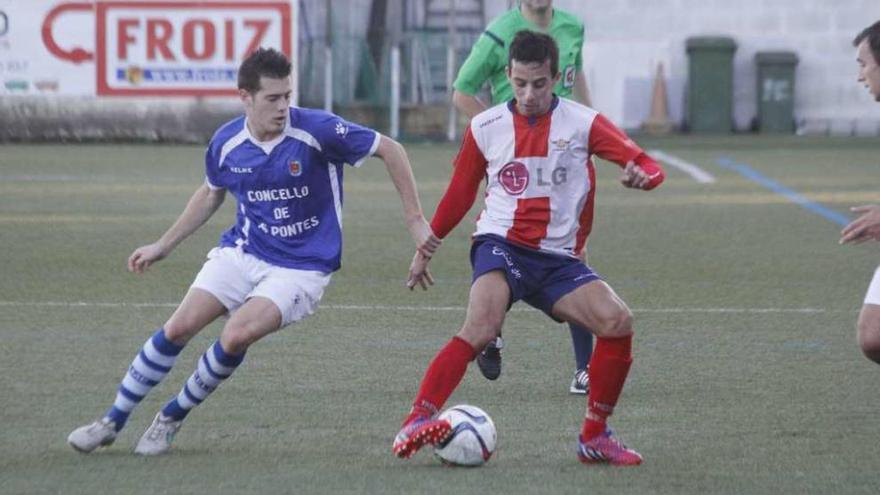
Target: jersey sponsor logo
{"x": 278, "y": 194}
{"x": 558, "y": 176}
{"x": 568, "y": 76}
{"x": 295, "y": 228}
{"x": 514, "y": 178}
{"x": 241, "y": 170}
{"x": 295, "y": 168}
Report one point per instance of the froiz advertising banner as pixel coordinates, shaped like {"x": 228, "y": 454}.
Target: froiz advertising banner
{"x": 136, "y": 48}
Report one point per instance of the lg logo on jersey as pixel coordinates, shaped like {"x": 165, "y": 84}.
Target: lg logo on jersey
{"x": 514, "y": 177}
{"x": 558, "y": 176}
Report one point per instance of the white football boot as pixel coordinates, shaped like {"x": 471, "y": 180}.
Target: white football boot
{"x": 89, "y": 437}
{"x": 158, "y": 437}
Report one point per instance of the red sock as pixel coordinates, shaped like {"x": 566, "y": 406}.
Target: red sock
{"x": 443, "y": 375}
{"x": 608, "y": 369}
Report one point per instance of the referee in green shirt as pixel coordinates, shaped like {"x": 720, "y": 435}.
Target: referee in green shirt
{"x": 488, "y": 62}
{"x": 488, "y": 58}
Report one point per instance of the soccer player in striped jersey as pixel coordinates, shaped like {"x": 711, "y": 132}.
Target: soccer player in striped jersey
{"x": 284, "y": 166}
{"x": 487, "y": 62}
{"x": 867, "y": 226}
{"x": 534, "y": 155}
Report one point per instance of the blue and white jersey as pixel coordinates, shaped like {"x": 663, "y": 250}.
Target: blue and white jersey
{"x": 289, "y": 190}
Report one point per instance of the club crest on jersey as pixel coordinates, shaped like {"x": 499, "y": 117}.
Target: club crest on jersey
{"x": 295, "y": 168}
{"x": 514, "y": 177}
{"x": 568, "y": 76}
{"x": 561, "y": 144}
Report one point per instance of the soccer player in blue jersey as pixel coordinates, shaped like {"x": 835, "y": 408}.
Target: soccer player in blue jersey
{"x": 284, "y": 166}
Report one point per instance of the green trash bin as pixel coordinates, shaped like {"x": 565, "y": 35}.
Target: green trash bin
{"x": 776, "y": 91}
{"x": 710, "y": 84}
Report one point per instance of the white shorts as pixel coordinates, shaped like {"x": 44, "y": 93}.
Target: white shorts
{"x": 233, "y": 277}
{"x": 873, "y": 295}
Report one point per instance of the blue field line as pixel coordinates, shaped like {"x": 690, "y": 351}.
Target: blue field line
{"x": 795, "y": 197}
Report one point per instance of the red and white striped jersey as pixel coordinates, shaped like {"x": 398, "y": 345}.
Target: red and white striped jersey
{"x": 540, "y": 179}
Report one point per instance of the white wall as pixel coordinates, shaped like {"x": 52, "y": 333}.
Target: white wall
{"x": 626, "y": 38}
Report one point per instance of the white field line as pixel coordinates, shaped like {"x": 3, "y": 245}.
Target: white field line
{"x": 697, "y": 173}
{"x": 379, "y": 307}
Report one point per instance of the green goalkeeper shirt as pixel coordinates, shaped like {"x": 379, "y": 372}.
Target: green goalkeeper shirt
{"x": 488, "y": 58}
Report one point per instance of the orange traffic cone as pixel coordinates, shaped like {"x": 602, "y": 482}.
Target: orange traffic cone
{"x": 658, "y": 122}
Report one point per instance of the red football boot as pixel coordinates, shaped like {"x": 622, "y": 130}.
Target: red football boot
{"x": 606, "y": 449}
{"x": 418, "y": 433}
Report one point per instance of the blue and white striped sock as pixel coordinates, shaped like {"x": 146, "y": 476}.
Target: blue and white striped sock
{"x": 214, "y": 366}
{"x": 149, "y": 367}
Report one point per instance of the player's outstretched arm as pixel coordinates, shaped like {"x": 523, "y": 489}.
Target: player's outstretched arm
{"x": 640, "y": 171}
{"x": 864, "y": 228}
{"x": 469, "y": 170}
{"x": 203, "y": 203}
{"x": 400, "y": 170}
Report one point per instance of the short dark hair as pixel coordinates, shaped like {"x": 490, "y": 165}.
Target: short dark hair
{"x": 872, "y": 34}
{"x": 265, "y": 62}
{"x": 530, "y": 46}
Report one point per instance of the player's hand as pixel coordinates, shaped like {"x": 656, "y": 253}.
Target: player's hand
{"x": 144, "y": 256}
{"x": 864, "y": 228}
{"x": 419, "y": 273}
{"x": 635, "y": 177}
{"x": 426, "y": 242}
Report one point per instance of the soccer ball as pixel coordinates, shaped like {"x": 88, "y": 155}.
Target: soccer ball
{"x": 472, "y": 440}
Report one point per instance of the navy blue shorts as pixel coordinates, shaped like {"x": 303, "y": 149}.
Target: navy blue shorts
{"x": 539, "y": 279}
